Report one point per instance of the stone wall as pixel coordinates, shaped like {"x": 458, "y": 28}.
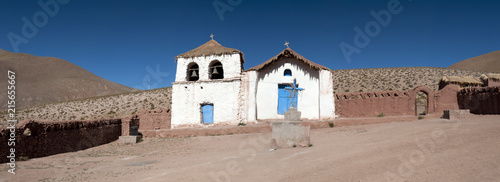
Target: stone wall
{"x": 481, "y": 100}
{"x": 394, "y": 103}
{"x": 43, "y": 138}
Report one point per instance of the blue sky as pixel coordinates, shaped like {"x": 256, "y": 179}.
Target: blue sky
{"x": 125, "y": 41}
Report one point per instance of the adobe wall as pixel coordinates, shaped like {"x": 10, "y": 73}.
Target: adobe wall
{"x": 493, "y": 82}
{"x": 371, "y": 104}
{"x": 154, "y": 119}
{"x": 393, "y": 103}
{"x": 54, "y": 137}
{"x": 480, "y": 100}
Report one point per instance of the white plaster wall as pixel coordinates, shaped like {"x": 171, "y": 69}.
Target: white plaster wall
{"x": 231, "y": 64}
{"x": 326, "y": 96}
{"x": 250, "y": 91}
{"x": 187, "y": 98}
{"x": 270, "y": 76}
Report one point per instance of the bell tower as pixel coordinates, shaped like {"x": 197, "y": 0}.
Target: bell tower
{"x": 206, "y": 87}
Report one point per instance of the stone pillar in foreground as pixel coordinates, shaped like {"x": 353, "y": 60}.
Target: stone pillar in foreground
{"x": 290, "y": 132}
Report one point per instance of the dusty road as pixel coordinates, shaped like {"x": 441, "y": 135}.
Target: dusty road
{"x": 424, "y": 150}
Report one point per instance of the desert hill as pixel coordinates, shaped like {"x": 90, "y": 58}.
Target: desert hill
{"x": 489, "y": 62}
{"x": 42, "y": 80}
{"x": 383, "y": 79}
{"x": 110, "y": 106}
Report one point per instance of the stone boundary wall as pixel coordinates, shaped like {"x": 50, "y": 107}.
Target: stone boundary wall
{"x": 480, "y": 100}
{"x": 43, "y": 138}
{"x": 394, "y": 103}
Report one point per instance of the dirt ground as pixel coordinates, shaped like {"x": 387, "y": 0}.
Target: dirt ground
{"x": 423, "y": 150}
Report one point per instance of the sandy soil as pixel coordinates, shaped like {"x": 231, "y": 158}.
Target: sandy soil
{"x": 424, "y": 150}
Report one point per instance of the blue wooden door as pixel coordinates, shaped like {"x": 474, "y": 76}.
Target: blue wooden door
{"x": 208, "y": 113}
{"x": 284, "y": 100}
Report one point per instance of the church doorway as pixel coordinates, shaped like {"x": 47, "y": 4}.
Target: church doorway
{"x": 207, "y": 112}
{"x": 284, "y": 99}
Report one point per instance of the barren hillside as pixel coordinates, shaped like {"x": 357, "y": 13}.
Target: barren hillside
{"x": 381, "y": 79}
{"x": 489, "y": 62}
{"x": 41, "y": 80}
{"x": 112, "y": 106}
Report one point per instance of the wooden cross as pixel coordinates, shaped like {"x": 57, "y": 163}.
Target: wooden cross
{"x": 212, "y": 36}
{"x": 286, "y": 43}
{"x": 293, "y": 89}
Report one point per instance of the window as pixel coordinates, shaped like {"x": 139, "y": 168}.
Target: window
{"x": 287, "y": 72}
{"x": 216, "y": 71}
{"x": 193, "y": 72}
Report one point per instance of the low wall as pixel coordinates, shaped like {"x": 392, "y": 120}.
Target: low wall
{"x": 156, "y": 119}
{"x": 394, "y": 103}
{"x": 148, "y": 122}
{"x": 43, "y": 138}
{"x": 480, "y": 100}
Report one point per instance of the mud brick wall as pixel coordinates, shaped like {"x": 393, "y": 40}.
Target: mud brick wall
{"x": 393, "y": 103}
{"x": 480, "y": 100}
{"x": 43, "y": 138}
{"x": 154, "y": 119}
{"x": 148, "y": 122}
{"x": 370, "y": 104}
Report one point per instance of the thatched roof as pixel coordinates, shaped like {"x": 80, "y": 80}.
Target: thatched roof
{"x": 212, "y": 47}
{"x": 288, "y": 53}
{"x": 461, "y": 79}
{"x": 489, "y": 75}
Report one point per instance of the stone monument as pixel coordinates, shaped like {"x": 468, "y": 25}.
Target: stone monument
{"x": 291, "y": 132}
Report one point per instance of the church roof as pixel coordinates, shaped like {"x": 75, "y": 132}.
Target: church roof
{"x": 288, "y": 53}
{"x": 212, "y": 47}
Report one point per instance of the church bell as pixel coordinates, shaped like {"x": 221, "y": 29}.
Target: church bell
{"x": 215, "y": 71}
{"x": 194, "y": 74}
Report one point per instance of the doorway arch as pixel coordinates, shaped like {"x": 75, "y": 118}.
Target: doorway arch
{"x": 429, "y": 101}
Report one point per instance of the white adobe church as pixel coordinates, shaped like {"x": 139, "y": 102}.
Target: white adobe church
{"x": 212, "y": 88}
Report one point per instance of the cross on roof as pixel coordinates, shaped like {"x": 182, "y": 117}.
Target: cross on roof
{"x": 286, "y": 43}
{"x": 212, "y": 36}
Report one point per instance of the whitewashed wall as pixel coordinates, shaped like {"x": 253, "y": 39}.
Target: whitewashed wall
{"x": 270, "y": 76}
{"x": 249, "y": 80}
{"x": 326, "y": 96}
{"x": 188, "y": 96}
{"x": 231, "y": 65}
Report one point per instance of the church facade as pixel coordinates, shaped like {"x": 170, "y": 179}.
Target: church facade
{"x": 211, "y": 88}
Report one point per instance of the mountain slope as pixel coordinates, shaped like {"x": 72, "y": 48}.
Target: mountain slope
{"x": 489, "y": 62}
{"x": 383, "y": 79}
{"x": 109, "y": 106}
{"x": 42, "y": 80}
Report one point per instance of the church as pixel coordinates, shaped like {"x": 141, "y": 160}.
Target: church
{"x": 211, "y": 88}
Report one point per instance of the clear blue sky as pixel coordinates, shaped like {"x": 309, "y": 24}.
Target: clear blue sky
{"x": 120, "y": 39}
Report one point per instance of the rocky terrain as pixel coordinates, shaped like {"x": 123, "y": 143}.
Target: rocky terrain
{"x": 112, "y": 106}
{"x": 402, "y": 78}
